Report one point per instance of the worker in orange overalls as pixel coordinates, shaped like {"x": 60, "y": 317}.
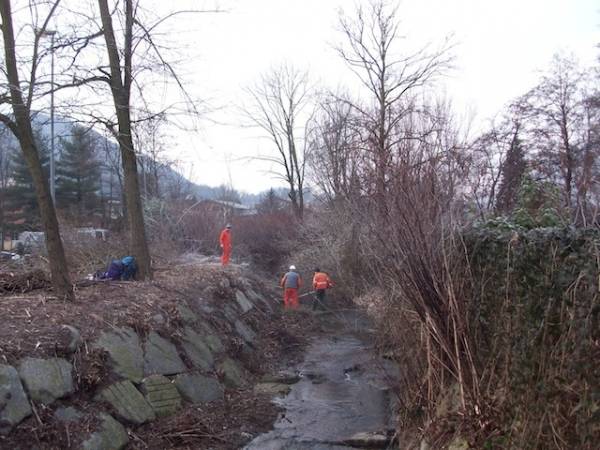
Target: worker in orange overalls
{"x": 225, "y": 240}
{"x": 290, "y": 283}
{"x": 321, "y": 282}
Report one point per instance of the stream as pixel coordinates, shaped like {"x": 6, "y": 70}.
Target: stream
{"x": 343, "y": 395}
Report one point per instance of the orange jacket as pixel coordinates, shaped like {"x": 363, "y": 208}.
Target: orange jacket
{"x": 322, "y": 281}
{"x": 225, "y": 238}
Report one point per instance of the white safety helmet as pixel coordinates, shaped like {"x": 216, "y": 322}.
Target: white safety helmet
{"x": 292, "y": 267}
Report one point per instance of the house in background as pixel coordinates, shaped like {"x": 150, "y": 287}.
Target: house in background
{"x": 224, "y": 209}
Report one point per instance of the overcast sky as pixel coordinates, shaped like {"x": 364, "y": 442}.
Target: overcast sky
{"x": 501, "y": 48}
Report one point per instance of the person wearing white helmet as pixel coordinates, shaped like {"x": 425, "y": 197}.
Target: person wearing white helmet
{"x": 291, "y": 282}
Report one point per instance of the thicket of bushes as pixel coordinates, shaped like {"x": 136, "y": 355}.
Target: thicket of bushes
{"x": 534, "y": 316}
{"x": 495, "y": 326}
{"x": 264, "y": 239}
{"x": 499, "y": 344}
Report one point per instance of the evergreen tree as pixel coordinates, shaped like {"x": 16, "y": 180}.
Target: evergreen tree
{"x": 539, "y": 204}
{"x": 78, "y": 181}
{"x": 22, "y": 210}
{"x": 512, "y": 174}
{"x": 270, "y": 203}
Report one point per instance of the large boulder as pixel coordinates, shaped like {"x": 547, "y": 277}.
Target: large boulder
{"x": 186, "y": 314}
{"x": 369, "y": 439}
{"x": 272, "y": 389}
{"x": 67, "y": 414}
{"x": 162, "y": 395}
{"x": 256, "y": 298}
{"x": 125, "y": 352}
{"x": 230, "y": 314}
{"x": 111, "y": 435}
{"x": 283, "y": 377}
{"x": 211, "y": 338}
{"x": 196, "y": 388}
{"x": 14, "y": 405}
{"x": 128, "y": 402}
{"x": 243, "y": 302}
{"x": 161, "y": 357}
{"x": 47, "y": 379}
{"x": 245, "y": 331}
{"x": 197, "y": 349}
{"x": 233, "y": 374}
{"x": 69, "y": 339}
{"x": 214, "y": 342}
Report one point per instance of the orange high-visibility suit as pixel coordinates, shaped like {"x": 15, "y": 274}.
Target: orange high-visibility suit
{"x": 225, "y": 240}
{"x": 290, "y": 283}
{"x": 321, "y": 282}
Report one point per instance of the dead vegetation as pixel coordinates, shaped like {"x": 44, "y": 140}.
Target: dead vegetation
{"x": 225, "y": 424}
{"x": 22, "y": 282}
{"x": 31, "y": 325}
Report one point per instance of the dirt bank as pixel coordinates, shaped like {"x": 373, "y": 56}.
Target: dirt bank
{"x": 234, "y": 307}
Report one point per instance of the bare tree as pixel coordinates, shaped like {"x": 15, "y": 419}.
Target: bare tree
{"x": 132, "y": 60}
{"x": 555, "y": 115}
{"x": 391, "y": 77}
{"x": 588, "y": 179}
{"x": 121, "y": 79}
{"x": 149, "y": 140}
{"x": 278, "y": 107}
{"x": 334, "y": 148}
{"x": 112, "y": 181}
{"x": 20, "y": 96}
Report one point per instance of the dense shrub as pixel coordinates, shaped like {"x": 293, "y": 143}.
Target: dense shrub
{"x": 534, "y": 314}
{"x": 501, "y": 321}
{"x": 265, "y": 239}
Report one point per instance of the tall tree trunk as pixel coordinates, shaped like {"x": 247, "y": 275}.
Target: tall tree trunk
{"x": 296, "y": 180}
{"x": 293, "y": 196}
{"x": 121, "y": 89}
{"x": 24, "y": 133}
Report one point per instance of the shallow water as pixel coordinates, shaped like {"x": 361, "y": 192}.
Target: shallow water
{"x": 344, "y": 389}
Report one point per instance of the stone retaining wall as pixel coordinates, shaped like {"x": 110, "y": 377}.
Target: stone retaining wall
{"x": 148, "y": 376}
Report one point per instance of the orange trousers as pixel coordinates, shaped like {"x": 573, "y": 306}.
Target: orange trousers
{"x": 225, "y": 256}
{"x": 290, "y": 298}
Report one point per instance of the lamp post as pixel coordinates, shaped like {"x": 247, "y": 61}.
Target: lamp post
{"x": 51, "y": 33}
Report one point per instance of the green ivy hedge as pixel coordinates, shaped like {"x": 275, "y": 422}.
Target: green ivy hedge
{"x": 535, "y": 316}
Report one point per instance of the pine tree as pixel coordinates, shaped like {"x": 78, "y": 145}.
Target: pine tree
{"x": 513, "y": 171}
{"x": 22, "y": 210}
{"x": 270, "y": 203}
{"x": 78, "y": 181}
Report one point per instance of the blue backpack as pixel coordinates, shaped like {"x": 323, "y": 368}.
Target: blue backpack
{"x": 120, "y": 269}
{"x": 129, "y": 268}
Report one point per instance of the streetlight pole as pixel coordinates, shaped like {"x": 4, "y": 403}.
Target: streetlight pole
{"x": 51, "y": 33}
{"x": 52, "y": 163}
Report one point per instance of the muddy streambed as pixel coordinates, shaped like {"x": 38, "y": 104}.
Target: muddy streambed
{"x": 343, "y": 396}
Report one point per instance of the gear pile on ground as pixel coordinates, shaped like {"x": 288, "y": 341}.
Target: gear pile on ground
{"x": 20, "y": 283}
{"x": 176, "y": 362}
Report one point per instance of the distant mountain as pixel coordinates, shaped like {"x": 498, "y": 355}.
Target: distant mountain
{"x": 107, "y": 151}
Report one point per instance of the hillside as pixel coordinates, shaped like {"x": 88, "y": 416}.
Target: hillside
{"x": 170, "y": 180}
